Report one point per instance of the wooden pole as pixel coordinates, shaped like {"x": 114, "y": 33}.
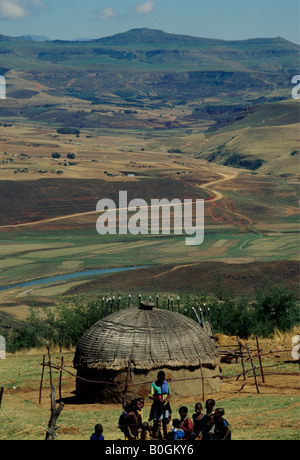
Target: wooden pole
{"x": 106, "y": 307}
{"x": 112, "y": 304}
{"x": 50, "y": 368}
{"x": 202, "y": 318}
{"x": 126, "y": 386}
{"x": 178, "y": 303}
{"x": 60, "y": 376}
{"x": 55, "y": 412}
{"x": 42, "y": 377}
{"x": 202, "y": 378}
{"x": 196, "y": 314}
{"x": 253, "y": 367}
{"x": 207, "y": 311}
{"x": 260, "y": 362}
{"x": 1, "y": 395}
{"x": 242, "y": 358}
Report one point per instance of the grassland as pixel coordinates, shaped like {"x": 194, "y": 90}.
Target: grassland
{"x": 273, "y": 414}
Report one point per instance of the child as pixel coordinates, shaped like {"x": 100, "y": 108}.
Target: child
{"x": 222, "y": 431}
{"x": 210, "y": 428}
{"x": 122, "y": 419}
{"x": 160, "y": 411}
{"x": 97, "y": 436}
{"x": 209, "y": 406}
{"x": 177, "y": 433}
{"x": 133, "y": 421}
{"x": 200, "y": 421}
{"x": 186, "y": 422}
{"x": 141, "y": 403}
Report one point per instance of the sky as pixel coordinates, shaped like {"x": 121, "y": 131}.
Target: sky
{"x": 222, "y": 19}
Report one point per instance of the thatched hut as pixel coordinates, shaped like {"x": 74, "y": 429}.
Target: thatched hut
{"x": 128, "y": 348}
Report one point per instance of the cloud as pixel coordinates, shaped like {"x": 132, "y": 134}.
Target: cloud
{"x": 11, "y": 10}
{"x": 106, "y": 13}
{"x": 18, "y": 9}
{"x": 146, "y": 8}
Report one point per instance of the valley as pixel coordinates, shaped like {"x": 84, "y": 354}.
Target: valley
{"x": 160, "y": 116}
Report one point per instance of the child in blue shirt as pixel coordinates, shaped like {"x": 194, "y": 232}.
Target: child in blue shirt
{"x": 222, "y": 430}
{"x": 177, "y": 432}
{"x": 97, "y": 436}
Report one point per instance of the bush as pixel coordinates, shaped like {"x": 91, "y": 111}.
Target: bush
{"x": 68, "y": 131}
{"x": 275, "y": 307}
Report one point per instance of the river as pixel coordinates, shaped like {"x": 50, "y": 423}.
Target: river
{"x": 68, "y": 276}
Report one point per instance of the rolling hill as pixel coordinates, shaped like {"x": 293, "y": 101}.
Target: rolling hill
{"x": 238, "y": 139}
{"x": 144, "y": 64}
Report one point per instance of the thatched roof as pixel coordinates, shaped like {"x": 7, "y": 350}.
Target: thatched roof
{"x": 147, "y": 339}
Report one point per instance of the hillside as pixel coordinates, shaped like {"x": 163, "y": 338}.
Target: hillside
{"x": 145, "y": 65}
{"x": 159, "y": 115}
{"x": 238, "y": 138}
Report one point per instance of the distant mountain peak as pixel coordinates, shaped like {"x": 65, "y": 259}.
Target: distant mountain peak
{"x": 153, "y": 36}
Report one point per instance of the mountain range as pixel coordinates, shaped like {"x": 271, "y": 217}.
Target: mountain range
{"x": 151, "y": 64}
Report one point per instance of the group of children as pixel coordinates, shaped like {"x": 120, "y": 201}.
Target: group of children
{"x": 203, "y": 426}
{"x": 209, "y": 426}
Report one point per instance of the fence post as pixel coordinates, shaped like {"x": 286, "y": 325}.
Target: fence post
{"x": 126, "y": 386}
{"x": 260, "y": 362}
{"x": 42, "y": 377}
{"x": 253, "y": 368}
{"x": 1, "y": 395}
{"x": 60, "y": 376}
{"x": 55, "y": 412}
{"x": 50, "y": 367}
{"x": 202, "y": 378}
{"x": 242, "y": 358}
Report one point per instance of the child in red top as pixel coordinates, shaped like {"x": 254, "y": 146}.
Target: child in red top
{"x": 186, "y": 422}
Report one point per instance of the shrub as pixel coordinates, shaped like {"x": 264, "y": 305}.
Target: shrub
{"x": 275, "y": 307}
{"x": 68, "y": 131}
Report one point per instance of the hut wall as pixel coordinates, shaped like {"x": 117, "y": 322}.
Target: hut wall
{"x": 139, "y": 384}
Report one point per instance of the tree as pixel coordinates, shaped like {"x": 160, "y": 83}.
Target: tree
{"x": 56, "y": 155}
{"x": 71, "y": 156}
{"x": 275, "y": 307}
{"x": 68, "y": 131}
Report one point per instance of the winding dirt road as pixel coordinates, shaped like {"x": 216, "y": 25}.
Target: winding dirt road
{"x": 217, "y": 196}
